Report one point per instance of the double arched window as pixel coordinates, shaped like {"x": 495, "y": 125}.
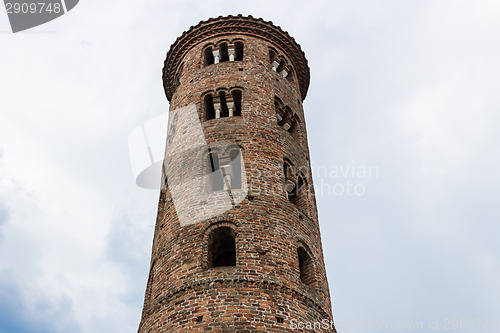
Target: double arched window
{"x": 223, "y": 51}
{"x": 280, "y": 64}
{"x": 295, "y": 185}
{"x": 287, "y": 119}
{"x": 223, "y": 103}
{"x": 224, "y": 169}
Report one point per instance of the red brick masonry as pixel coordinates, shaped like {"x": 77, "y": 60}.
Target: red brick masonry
{"x": 267, "y": 290}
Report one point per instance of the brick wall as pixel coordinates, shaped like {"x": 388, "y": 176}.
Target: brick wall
{"x": 264, "y": 291}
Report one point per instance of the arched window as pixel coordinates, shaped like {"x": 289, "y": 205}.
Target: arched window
{"x": 298, "y": 194}
{"x": 287, "y": 119}
{"x": 287, "y": 169}
{"x": 280, "y": 65}
{"x": 209, "y": 56}
{"x": 236, "y": 95}
{"x": 223, "y": 104}
{"x": 221, "y": 247}
{"x": 295, "y": 130}
{"x": 238, "y": 46}
{"x": 306, "y": 267}
{"x": 208, "y": 101}
{"x": 235, "y": 158}
{"x": 289, "y": 178}
{"x": 224, "y": 54}
{"x": 216, "y": 182}
{"x": 273, "y": 55}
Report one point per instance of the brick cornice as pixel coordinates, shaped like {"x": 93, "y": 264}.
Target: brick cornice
{"x": 245, "y": 25}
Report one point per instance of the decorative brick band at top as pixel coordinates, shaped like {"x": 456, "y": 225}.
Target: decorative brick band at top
{"x": 222, "y": 26}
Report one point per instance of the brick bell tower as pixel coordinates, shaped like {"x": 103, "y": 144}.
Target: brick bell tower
{"x": 237, "y": 243}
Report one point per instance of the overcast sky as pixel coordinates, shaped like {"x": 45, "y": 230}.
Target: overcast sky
{"x": 406, "y": 89}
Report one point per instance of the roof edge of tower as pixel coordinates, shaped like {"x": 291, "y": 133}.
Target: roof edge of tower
{"x": 242, "y": 25}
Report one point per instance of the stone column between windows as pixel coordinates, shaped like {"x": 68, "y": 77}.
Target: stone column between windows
{"x": 216, "y": 55}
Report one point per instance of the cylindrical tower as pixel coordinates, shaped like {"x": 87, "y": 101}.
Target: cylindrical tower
{"x": 237, "y": 244}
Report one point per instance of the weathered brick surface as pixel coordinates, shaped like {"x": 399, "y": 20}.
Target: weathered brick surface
{"x": 183, "y": 293}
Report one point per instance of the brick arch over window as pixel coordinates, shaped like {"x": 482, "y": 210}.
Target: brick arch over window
{"x": 220, "y": 245}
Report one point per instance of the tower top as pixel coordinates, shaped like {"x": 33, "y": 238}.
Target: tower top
{"x": 244, "y": 25}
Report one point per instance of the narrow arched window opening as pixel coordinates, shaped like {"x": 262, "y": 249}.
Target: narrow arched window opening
{"x": 223, "y": 104}
{"x": 224, "y": 54}
{"x": 209, "y": 106}
{"x": 297, "y": 194}
{"x": 236, "y": 95}
{"x": 281, "y": 65}
{"x": 306, "y": 267}
{"x": 214, "y": 174}
{"x": 238, "y": 46}
{"x": 295, "y": 130}
{"x": 209, "y": 56}
{"x": 222, "y": 247}
{"x": 235, "y": 157}
{"x": 289, "y": 179}
{"x": 273, "y": 59}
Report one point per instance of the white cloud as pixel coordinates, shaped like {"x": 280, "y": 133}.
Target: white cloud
{"x": 408, "y": 86}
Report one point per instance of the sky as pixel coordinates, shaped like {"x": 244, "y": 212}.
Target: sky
{"x": 403, "y": 127}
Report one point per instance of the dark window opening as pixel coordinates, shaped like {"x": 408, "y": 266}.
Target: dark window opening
{"x": 224, "y": 54}
{"x": 215, "y": 175}
{"x": 287, "y": 121}
{"x": 235, "y": 156}
{"x": 236, "y": 94}
{"x": 280, "y": 320}
{"x": 238, "y": 46}
{"x": 272, "y": 55}
{"x": 209, "y": 56}
{"x": 222, "y": 247}
{"x": 281, "y": 66}
{"x": 306, "y": 267}
{"x": 287, "y": 169}
{"x": 295, "y": 130}
{"x": 199, "y": 319}
{"x": 209, "y": 106}
{"x": 289, "y": 183}
{"x": 224, "y": 112}
{"x": 298, "y": 192}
